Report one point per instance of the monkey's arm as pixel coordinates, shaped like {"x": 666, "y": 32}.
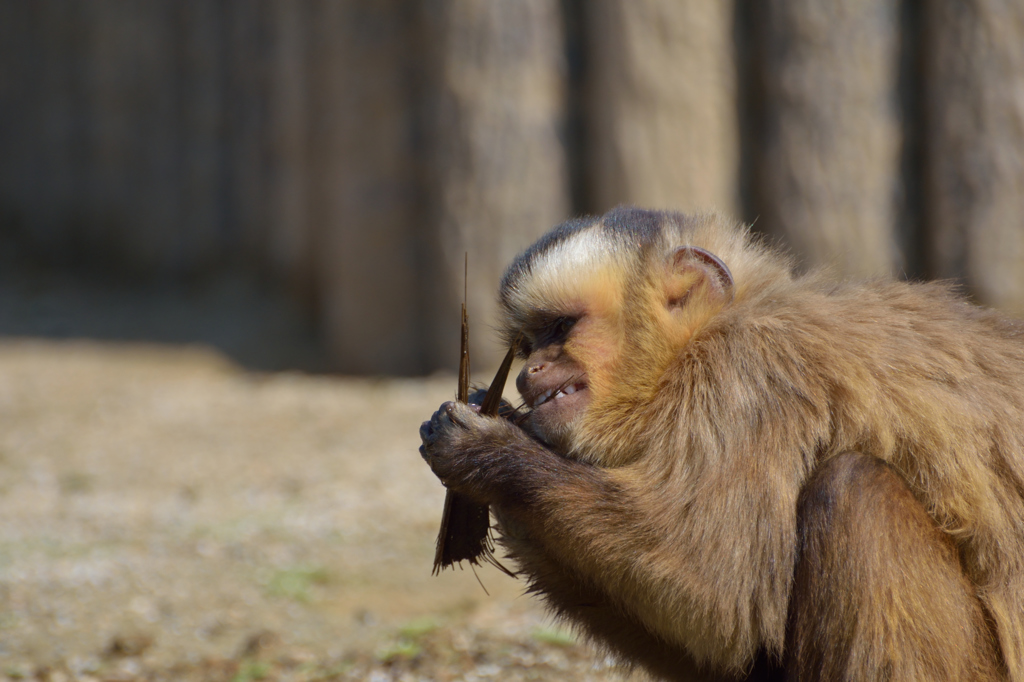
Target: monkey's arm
{"x": 494, "y": 461}
{"x": 586, "y": 521}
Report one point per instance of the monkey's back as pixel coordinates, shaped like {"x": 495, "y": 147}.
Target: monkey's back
{"x": 915, "y": 375}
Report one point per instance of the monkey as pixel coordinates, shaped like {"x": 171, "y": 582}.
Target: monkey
{"x": 729, "y": 470}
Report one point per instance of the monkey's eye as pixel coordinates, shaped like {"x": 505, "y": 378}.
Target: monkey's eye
{"x": 524, "y": 349}
{"x": 554, "y": 332}
{"x": 564, "y": 325}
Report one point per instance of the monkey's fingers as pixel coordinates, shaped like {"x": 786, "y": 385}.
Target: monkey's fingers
{"x": 426, "y": 438}
{"x": 506, "y": 409}
{"x": 459, "y": 414}
{"x": 449, "y": 416}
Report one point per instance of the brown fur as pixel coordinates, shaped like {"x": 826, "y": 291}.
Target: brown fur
{"x": 699, "y": 516}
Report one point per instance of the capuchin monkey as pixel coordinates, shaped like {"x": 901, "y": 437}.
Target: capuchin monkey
{"x": 730, "y": 472}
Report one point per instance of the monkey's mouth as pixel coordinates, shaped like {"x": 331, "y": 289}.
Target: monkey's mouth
{"x": 558, "y": 393}
{"x": 554, "y": 410}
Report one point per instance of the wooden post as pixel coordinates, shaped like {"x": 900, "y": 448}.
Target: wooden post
{"x": 134, "y": 195}
{"x": 827, "y": 173}
{"x": 975, "y": 147}
{"x": 43, "y": 138}
{"x": 496, "y": 175}
{"x": 363, "y": 191}
{"x": 291, "y": 245}
{"x": 661, "y": 113}
{"x": 245, "y": 127}
{"x": 200, "y": 112}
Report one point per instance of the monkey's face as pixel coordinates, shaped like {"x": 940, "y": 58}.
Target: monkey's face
{"x": 602, "y": 311}
{"x": 564, "y": 307}
{"x": 554, "y": 384}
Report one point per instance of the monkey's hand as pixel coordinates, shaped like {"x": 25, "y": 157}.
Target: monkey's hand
{"x": 505, "y": 408}
{"x": 470, "y": 453}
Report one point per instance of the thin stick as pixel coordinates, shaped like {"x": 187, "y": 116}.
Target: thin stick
{"x": 463, "y": 390}
{"x": 465, "y": 532}
{"x": 492, "y": 401}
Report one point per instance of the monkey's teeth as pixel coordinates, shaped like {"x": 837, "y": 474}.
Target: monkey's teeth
{"x": 543, "y": 398}
{"x": 554, "y": 394}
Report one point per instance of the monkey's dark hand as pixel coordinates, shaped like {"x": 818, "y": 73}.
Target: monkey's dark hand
{"x": 505, "y": 409}
{"x": 470, "y": 453}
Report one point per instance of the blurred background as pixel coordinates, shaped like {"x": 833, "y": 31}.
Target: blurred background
{"x": 191, "y": 190}
{"x": 311, "y": 172}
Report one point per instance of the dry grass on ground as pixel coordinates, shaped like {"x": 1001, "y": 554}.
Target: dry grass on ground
{"x": 165, "y": 515}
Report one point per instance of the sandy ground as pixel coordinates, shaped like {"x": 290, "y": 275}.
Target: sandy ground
{"x": 165, "y": 514}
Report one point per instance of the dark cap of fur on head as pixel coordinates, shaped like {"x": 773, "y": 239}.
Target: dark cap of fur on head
{"x": 635, "y": 229}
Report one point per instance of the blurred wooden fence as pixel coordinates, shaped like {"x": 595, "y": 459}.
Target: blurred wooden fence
{"x": 353, "y": 151}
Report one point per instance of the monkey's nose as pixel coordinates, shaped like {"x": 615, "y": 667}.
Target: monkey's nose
{"x": 526, "y": 376}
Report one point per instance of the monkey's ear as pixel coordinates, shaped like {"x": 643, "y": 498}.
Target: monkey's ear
{"x": 692, "y": 270}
